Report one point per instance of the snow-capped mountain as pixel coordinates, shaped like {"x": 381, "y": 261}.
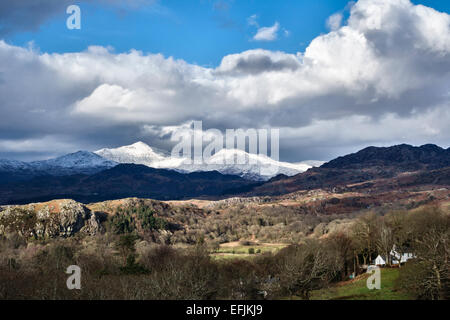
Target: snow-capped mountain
{"x": 73, "y": 163}
{"x": 247, "y": 165}
{"x": 226, "y": 161}
{"x": 77, "y": 162}
{"x": 311, "y": 163}
{"x": 12, "y": 165}
{"x": 137, "y": 153}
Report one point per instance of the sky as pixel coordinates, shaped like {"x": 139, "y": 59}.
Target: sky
{"x": 334, "y": 76}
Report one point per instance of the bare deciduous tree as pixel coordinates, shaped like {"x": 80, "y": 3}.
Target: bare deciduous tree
{"x": 307, "y": 267}
{"x": 385, "y": 241}
{"x": 342, "y": 245}
{"x": 365, "y": 235}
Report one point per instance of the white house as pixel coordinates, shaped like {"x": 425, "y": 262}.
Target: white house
{"x": 379, "y": 261}
{"x": 395, "y": 257}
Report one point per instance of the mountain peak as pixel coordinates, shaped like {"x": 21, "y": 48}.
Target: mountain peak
{"x": 139, "y": 145}
{"x": 80, "y": 162}
{"x": 80, "y": 159}
{"x": 137, "y": 153}
{"x": 222, "y": 161}
{"x": 402, "y": 155}
{"x": 431, "y": 147}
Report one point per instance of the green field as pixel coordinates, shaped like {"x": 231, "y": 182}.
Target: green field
{"x": 242, "y": 251}
{"x": 357, "y": 289}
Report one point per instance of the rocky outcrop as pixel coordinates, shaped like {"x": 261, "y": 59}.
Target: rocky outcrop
{"x": 238, "y": 201}
{"x": 61, "y": 218}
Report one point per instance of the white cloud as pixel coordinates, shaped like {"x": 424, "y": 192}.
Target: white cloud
{"x": 33, "y": 145}
{"x": 334, "y": 21}
{"x": 378, "y": 78}
{"x": 427, "y": 126}
{"x": 185, "y": 129}
{"x": 253, "y": 20}
{"x": 257, "y": 61}
{"x": 267, "y": 33}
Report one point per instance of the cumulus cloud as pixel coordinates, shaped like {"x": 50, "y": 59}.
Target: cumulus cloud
{"x": 267, "y": 33}
{"x": 185, "y": 129}
{"x": 37, "y": 147}
{"x": 257, "y": 61}
{"x": 382, "y": 78}
{"x": 334, "y": 21}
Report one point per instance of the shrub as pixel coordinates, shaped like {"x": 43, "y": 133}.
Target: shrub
{"x": 140, "y": 218}
{"x": 121, "y": 223}
{"x": 18, "y": 220}
{"x": 149, "y": 221}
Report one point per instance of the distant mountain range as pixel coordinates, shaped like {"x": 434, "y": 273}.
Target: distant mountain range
{"x": 89, "y": 177}
{"x": 403, "y": 157}
{"x": 255, "y": 167}
{"x": 366, "y": 165}
{"x": 121, "y": 181}
{"x": 81, "y": 162}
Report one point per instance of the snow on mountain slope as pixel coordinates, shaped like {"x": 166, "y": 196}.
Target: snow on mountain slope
{"x": 312, "y": 163}
{"x": 12, "y": 165}
{"x": 226, "y": 161}
{"x": 73, "y": 163}
{"x": 247, "y": 165}
{"x": 140, "y": 153}
{"x": 137, "y": 153}
{"x": 78, "y": 160}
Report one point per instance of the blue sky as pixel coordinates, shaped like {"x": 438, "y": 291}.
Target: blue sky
{"x": 198, "y": 31}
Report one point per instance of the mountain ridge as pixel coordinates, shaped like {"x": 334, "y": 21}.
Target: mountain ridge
{"x": 381, "y": 167}
{"x": 121, "y": 181}
{"x": 255, "y": 167}
{"x": 80, "y": 162}
{"x": 371, "y": 163}
{"x": 404, "y": 155}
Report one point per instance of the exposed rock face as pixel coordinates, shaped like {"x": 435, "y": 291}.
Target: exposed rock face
{"x": 62, "y": 218}
{"x": 70, "y": 220}
{"x": 237, "y": 200}
{"x": 93, "y": 225}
